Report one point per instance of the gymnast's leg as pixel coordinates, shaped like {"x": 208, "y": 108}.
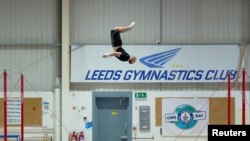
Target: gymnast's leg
{"x": 122, "y": 29}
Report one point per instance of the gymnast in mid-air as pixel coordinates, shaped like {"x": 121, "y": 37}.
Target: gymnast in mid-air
{"x": 116, "y": 41}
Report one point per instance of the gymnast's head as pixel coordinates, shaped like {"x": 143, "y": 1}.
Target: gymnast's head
{"x": 132, "y": 60}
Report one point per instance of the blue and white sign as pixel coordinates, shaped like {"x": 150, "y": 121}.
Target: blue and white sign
{"x": 162, "y": 63}
{"x": 184, "y": 116}
{"x": 14, "y": 111}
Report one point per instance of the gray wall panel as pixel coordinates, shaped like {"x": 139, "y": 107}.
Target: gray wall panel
{"x": 171, "y": 21}
{"x": 202, "y": 21}
{"x": 246, "y": 21}
{"x": 29, "y": 34}
{"x": 39, "y": 65}
{"x": 92, "y": 20}
{"x": 28, "y": 21}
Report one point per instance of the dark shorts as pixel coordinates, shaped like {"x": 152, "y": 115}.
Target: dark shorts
{"x": 116, "y": 38}
{"x": 124, "y": 55}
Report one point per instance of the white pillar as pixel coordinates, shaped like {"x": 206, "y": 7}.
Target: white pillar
{"x": 65, "y": 106}
{"x": 57, "y": 109}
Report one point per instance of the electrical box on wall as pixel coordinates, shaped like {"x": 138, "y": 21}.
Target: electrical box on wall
{"x": 144, "y": 118}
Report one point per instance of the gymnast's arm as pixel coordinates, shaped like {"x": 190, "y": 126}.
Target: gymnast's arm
{"x": 114, "y": 53}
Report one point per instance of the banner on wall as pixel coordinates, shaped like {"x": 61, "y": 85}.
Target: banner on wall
{"x": 155, "y": 63}
{"x": 184, "y": 117}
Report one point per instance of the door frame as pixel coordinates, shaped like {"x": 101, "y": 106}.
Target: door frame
{"x": 112, "y": 94}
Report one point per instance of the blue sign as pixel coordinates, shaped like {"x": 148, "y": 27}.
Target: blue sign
{"x": 88, "y": 124}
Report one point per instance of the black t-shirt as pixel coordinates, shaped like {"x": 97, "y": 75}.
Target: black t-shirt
{"x": 115, "y": 38}
{"x": 124, "y": 55}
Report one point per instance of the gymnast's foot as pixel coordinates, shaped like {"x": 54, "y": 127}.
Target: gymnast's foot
{"x": 131, "y": 25}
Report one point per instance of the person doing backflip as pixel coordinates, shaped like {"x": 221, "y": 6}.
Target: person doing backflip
{"x": 116, "y": 41}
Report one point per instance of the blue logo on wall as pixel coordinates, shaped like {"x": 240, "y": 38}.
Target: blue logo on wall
{"x": 159, "y": 59}
{"x": 185, "y": 116}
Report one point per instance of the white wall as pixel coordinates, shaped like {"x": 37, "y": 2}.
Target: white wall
{"x": 84, "y": 99}
{"x": 80, "y": 105}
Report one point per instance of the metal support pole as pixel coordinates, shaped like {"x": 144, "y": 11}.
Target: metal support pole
{"x": 243, "y": 97}
{"x": 228, "y": 99}
{"x": 5, "y": 104}
{"x": 22, "y": 107}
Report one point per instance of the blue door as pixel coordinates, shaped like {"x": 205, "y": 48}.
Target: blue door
{"x": 112, "y": 119}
